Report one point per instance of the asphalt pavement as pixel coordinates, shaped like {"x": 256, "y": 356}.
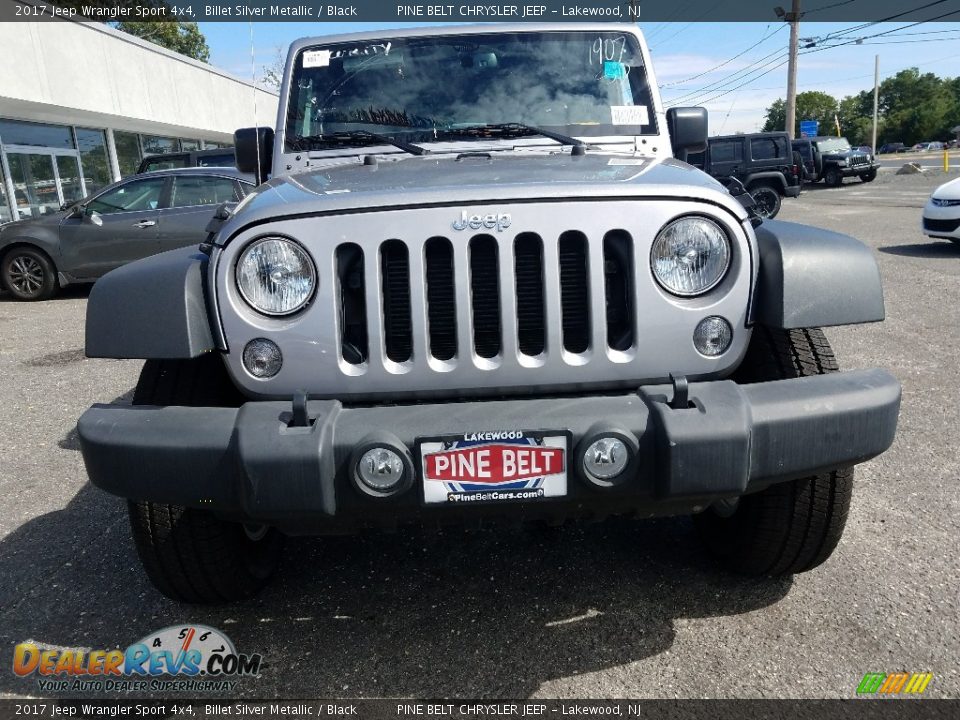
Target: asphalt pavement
{"x": 618, "y": 609}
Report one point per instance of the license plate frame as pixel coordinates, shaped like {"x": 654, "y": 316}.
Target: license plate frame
{"x": 536, "y": 475}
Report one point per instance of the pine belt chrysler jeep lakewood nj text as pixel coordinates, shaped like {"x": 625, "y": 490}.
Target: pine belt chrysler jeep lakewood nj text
{"x": 481, "y": 281}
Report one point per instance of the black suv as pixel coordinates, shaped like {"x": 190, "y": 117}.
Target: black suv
{"x": 215, "y": 157}
{"x": 763, "y": 162}
{"x": 831, "y": 159}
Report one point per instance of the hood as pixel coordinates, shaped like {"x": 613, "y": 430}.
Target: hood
{"x": 948, "y": 191}
{"x": 476, "y": 178}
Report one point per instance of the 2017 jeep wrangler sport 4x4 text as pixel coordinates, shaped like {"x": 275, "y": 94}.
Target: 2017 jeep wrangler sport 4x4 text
{"x": 482, "y": 282}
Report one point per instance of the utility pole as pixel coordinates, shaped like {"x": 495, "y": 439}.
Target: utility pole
{"x": 876, "y": 100}
{"x": 792, "y": 17}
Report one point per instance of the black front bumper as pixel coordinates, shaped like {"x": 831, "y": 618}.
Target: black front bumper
{"x": 247, "y": 463}
{"x": 858, "y": 170}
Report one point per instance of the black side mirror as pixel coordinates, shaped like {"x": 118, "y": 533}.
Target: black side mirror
{"x": 254, "y": 150}
{"x": 76, "y": 211}
{"x": 688, "y": 130}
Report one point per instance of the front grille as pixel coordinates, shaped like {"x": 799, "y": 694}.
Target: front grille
{"x": 859, "y": 160}
{"x": 948, "y": 226}
{"x": 469, "y": 307}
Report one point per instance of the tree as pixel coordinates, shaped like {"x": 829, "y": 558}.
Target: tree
{"x": 917, "y": 107}
{"x": 813, "y": 105}
{"x": 182, "y": 37}
{"x": 272, "y": 75}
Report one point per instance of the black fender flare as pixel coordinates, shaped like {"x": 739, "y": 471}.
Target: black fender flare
{"x": 810, "y": 277}
{"x": 766, "y": 178}
{"x": 151, "y": 309}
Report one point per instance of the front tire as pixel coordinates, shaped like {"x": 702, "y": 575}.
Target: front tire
{"x": 28, "y": 274}
{"x": 767, "y": 200}
{"x": 869, "y": 176}
{"x": 192, "y": 555}
{"x": 793, "y": 526}
{"x": 832, "y": 177}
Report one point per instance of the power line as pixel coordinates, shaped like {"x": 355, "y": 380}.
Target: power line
{"x": 728, "y": 61}
{"x": 740, "y": 74}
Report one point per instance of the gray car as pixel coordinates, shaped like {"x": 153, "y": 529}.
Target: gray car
{"x": 137, "y": 217}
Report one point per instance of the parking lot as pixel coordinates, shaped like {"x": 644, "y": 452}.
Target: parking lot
{"x": 619, "y": 609}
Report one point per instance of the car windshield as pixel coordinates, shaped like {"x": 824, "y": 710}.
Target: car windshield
{"x": 428, "y": 88}
{"x": 833, "y": 145}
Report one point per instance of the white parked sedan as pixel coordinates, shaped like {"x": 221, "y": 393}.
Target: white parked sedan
{"x": 941, "y": 215}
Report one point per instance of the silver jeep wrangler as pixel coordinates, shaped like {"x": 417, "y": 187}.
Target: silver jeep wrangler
{"x": 481, "y": 282}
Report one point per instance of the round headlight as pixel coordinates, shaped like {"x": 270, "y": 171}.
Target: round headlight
{"x": 690, "y": 256}
{"x": 276, "y": 276}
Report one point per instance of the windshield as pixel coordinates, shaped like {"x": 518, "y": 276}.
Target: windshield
{"x": 428, "y": 88}
{"x": 833, "y": 145}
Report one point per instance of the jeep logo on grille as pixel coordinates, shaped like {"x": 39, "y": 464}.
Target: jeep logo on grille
{"x": 492, "y": 221}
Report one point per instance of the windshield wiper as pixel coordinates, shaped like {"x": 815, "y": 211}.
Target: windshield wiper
{"x": 350, "y": 137}
{"x": 497, "y": 131}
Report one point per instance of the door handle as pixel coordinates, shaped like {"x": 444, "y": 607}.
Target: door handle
{"x": 145, "y": 224}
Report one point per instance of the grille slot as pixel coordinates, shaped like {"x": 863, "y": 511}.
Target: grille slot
{"x": 395, "y": 273}
{"x": 574, "y": 291}
{"x": 441, "y": 298}
{"x": 941, "y": 225}
{"x": 528, "y": 274}
{"x": 352, "y": 311}
{"x": 485, "y": 296}
{"x": 618, "y": 269}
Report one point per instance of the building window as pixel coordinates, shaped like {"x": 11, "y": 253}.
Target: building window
{"x": 128, "y": 152}
{"x": 4, "y": 202}
{"x": 15, "y": 132}
{"x": 155, "y": 145}
{"x": 93, "y": 154}
{"x": 187, "y": 145}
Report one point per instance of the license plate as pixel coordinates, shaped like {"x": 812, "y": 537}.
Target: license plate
{"x": 507, "y": 466}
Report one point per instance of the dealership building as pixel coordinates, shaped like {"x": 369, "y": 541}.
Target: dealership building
{"x": 81, "y": 104}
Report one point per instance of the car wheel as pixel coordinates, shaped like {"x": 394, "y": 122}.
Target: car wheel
{"x": 28, "y": 274}
{"x": 767, "y": 201}
{"x": 869, "y": 177}
{"x": 192, "y": 555}
{"x": 793, "y": 526}
{"x": 832, "y": 177}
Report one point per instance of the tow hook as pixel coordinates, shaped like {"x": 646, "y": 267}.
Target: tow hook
{"x": 681, "y": 392}
{"x": 299, "y": 416}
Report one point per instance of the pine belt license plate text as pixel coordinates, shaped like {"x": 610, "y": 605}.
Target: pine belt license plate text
{"x": 500, "y": 466}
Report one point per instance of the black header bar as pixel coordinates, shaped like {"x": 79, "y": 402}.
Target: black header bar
{"x": 479, "y": 11}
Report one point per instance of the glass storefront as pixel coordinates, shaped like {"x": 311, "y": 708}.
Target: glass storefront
{"x": 154, "y": 145}
{"x": 92, "y": 145}
{"x": 128, "y": 151}
{"x": 5, "y": 215}
{"x": 68, "y": 170}
{"x": 34, "y": 184}
{"x": 17, "y": 132}
{"x": 46, "y": 166}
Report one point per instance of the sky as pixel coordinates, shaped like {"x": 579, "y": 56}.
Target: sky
{"x": 682, "y": 52}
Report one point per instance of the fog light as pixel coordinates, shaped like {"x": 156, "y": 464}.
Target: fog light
{"x": 262, "y": 358}
{"x": 605, "y": 458}
{"x": 712, "y": 336}
{"x": 380, "y": 469}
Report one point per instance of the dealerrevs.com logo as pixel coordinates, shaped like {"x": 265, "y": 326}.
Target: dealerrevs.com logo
{"x": 189, "y": 658}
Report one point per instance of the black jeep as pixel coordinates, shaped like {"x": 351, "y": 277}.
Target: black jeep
{"x": 763, "y": 162}
{"x": 831, "y": 159}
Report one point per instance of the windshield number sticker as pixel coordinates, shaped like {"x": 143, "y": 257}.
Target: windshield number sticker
{"x": 629, "y": 115}
{"x": 316, "y": 58}
{"x": 607, "y": 49}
